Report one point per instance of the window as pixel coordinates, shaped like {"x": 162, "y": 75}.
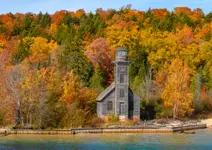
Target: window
{"x": 122, "y": 54}
{"x": 122, "y": 69}
{"x": 121, "y": 92}
{"x": 121, "y": 78}
{"x": 109, "y": 105}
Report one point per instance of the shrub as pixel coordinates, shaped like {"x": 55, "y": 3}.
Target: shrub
{"x": 112, "y": 118}
{"x": 95, "y": 122}
{"x": 148, "y": 109}
{"x": 1, "y": 118}
{"x": 164, "y": 113}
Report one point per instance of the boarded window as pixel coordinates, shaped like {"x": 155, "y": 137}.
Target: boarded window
{"x": 121, "y": 78}
{"x": 109, "y": 105}
{"x": 121, "y": 92}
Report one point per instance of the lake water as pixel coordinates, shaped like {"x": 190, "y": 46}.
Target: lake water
{"x": 201, "y": 140}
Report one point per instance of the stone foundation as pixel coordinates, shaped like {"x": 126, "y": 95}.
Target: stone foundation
{"x": 136, "y": 118}
{"x": 123, "y": 118}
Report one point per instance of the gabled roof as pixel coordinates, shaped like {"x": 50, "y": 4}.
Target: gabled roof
{"x": 109, "y": 89}
{"x": 105, "y": 92}
{"x": 135, "y": 96}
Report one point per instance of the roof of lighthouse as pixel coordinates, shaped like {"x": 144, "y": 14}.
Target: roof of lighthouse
{"x": 121, "y": 49}
{"x": 121, "y": 54}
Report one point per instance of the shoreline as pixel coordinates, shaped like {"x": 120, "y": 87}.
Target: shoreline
{"x": 106, "y": 130}
{"x": 208, "y": 122}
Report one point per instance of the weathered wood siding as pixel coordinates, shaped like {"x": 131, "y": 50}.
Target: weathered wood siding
{"x": 121, "y": 68}
{"x": 109, "y": 97}
{"x": 135, "y": 100}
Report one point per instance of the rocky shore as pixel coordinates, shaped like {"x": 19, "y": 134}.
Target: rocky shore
{"x": 166, "y": 123}
{"x": 208, "y": 122}
{"x": 151, "y": 126}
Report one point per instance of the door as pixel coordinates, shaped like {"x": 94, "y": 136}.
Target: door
{"x": 121, "y": 108}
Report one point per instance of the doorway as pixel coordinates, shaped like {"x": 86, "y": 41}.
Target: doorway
{"x": 121, "y": 108}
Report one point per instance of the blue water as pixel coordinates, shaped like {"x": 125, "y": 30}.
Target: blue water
{"x": 202, "y": 140}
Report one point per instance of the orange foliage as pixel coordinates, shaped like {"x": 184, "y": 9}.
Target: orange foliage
{"x": 159, "y": 13}
{"x": 103, "y": 13}
{"x": 179, "y": 10}
{"x": 2, "y": 43}
{"x": 160, "y": 80}
{"x": 19, "y": 16}
{"x": 139, "y": 15}
{"x": 79, "y": 13}
{"x": 6, "y": 18}
{"x": 185, "y": 36}
{"x": 196, "y": 14}
{"x": 204, "y": 92}
{"x": 202, "y": 32}
{"x": 58, "y": 16}
{"x": 74, "y": 91}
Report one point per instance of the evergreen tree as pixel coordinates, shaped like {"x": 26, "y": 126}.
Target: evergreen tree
{"x": 16, "y": 30}
{"x": 149, "y": 14}
{"x": 208, "y": 17}
{"x": 168, "y": 23}
{"x": 139, "y": 79}
{"x": 97, "y": 80}
{"x": 69, "y": 20}
{"x": 27, "y": 21}
{"x": 185, "y": 19}
{"x": 63, "y": 32}
{"x": 93, "y": 25}
{"x": 3, "y": 29}
{"x": 44, "y": 20}
{"x": 73, "y": 58}
{"x": 21, "y": 53}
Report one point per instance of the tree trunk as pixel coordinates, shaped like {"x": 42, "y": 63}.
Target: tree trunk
{"x": 30, "y": 120}
{"x": 20, "y": 119}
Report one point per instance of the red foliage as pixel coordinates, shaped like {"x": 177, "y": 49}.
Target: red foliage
{"x": 100, "y": 54}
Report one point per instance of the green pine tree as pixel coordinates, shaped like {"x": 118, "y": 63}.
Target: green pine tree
{"x": 97, "y": 80}
{"x": 139, "y": 79}
{"x": 72, "y": 58}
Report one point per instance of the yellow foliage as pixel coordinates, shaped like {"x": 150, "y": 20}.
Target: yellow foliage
{"x": 71, "y": 88}
{"x": 118, "y": 36}
{"x": 53, "y": 29}
{"x": 2, "y": 45}
{"x": 74, "y": 90}
{"x": 31, "y": 86}
{"x": 40, "y": 48}
{"x": 111, "y": 118}
{"x": 176, "y": 94}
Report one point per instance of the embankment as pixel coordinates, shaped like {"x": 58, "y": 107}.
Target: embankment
{"x": 105, "y": 130}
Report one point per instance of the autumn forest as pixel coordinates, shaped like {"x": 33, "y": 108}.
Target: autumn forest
{"x": 53, "y": 66}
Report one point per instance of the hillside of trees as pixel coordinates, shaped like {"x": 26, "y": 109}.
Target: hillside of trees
{"x": 53, "y": 66}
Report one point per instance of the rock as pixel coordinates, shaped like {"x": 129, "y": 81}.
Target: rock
{"x": 208, "y": 122}
{"x": 189, "y": 132}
